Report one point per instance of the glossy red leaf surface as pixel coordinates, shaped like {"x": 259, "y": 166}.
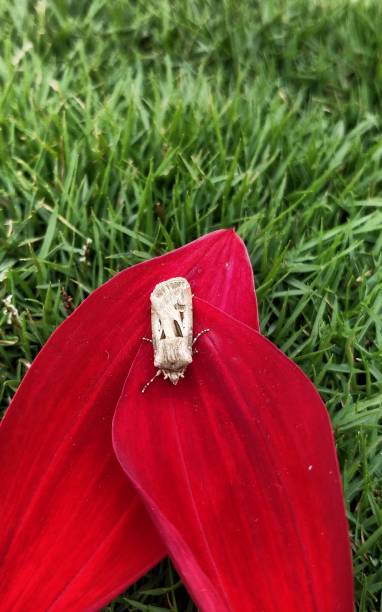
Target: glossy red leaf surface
{"x": 237, "y": 467}
{"x": 73, "y": 531}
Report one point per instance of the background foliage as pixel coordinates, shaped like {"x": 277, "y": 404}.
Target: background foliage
{"x": 130, "y": 128}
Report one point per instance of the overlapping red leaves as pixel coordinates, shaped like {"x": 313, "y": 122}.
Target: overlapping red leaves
{"x": 232, "y": 472}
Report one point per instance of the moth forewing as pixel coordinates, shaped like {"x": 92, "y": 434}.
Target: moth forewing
{"x": 171, "y": 325}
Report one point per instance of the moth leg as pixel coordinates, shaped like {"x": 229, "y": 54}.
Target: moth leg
{"x": 158, "y": 372}
{"x": 147, "y": 339}
{"x": 204, "y": 331}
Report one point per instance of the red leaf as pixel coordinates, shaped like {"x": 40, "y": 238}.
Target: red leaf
{"x": 238, "y": 470}
{"x": 74, "y": 533}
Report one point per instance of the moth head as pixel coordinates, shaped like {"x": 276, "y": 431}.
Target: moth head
{"x": 174, "y": 376}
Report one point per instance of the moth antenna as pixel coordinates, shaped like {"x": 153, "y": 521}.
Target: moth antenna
{"x": 204, "y": 331}
{"x": 150, "y": 381}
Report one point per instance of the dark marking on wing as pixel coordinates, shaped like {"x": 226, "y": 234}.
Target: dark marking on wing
{"x": 181, "y": 308}
{"x": 178, "y": 330}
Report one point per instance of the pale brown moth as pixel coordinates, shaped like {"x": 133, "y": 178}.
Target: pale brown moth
{"x": 171, "y": 328}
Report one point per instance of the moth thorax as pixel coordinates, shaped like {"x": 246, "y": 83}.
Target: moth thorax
{"x": 173, "y": 353}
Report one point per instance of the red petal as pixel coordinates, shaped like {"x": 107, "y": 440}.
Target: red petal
{"x": 238, "y": 470}
{"x": 74, "y": 533}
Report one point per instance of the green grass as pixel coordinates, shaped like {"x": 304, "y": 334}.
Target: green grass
{"x": 130, "y": 128}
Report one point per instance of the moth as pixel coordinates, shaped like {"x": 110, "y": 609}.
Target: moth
{"x": 172, "y": 329}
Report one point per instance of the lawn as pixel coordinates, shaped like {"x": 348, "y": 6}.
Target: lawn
{"x": 130, "y": 128}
